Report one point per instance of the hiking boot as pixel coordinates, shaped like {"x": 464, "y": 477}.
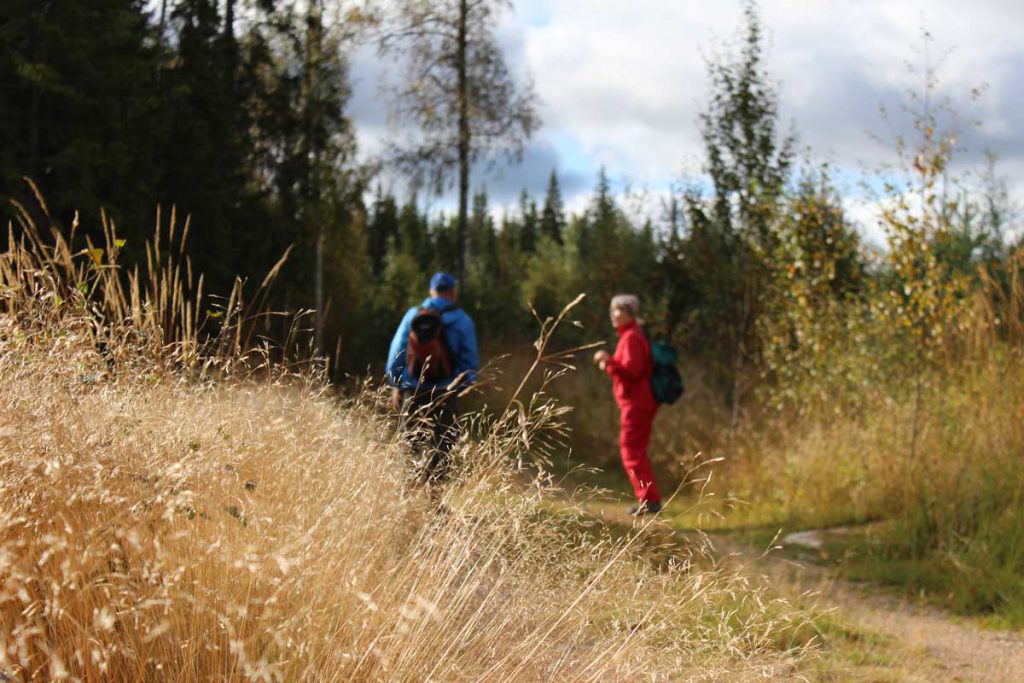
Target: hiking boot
{"x": 645, "y": 507}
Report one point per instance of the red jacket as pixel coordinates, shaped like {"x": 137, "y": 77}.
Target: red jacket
{"x": 631, "y": 368}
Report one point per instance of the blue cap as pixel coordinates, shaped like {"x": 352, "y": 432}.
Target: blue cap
{"x": 442, "y": 282}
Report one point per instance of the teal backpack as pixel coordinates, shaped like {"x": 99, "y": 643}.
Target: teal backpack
{"x": 666, "y": 382}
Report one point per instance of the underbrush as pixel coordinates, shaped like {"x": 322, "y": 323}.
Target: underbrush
{"x": 684, "y": 434}
{"x": 174, "y": 506}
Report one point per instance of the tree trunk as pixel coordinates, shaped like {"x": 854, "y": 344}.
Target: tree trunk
{"x": 229, "y": 19}
{"x": 161, "y": 27}
{"x": 737, "y": 371}
{"x": 464, "y": 140}
{"x": 34, "y": 136}
{"x": 319, "y": 285}
{"x": 739, "y": 355}
{"x": 230, "y": 47}
{"x": 314, "y": 45}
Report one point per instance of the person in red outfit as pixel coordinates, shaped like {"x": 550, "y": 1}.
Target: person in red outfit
{"x": 630, "y": 369}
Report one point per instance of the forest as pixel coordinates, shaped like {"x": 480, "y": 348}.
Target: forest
{"x": 234, "y": 115}
{"x": 832, "y": 380}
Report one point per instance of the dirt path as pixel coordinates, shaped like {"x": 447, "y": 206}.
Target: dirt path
{"x": 920, "y": 643}
{"x": 894, "y": 639}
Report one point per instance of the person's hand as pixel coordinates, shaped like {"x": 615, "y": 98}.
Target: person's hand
{"x": 396, "y": 398}
{"x": 601, "y": 358}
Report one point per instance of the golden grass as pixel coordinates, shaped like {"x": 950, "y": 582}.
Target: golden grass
{"x": 264, "y": 531}
{"x": 156, "y": 524}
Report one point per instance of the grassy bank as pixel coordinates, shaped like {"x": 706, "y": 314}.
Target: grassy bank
{"x": 174, "y": 508}
{"x": 947, "y": 494}
{"x": 264, "y": 531}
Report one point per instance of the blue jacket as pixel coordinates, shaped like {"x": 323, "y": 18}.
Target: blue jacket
{"x": 460, "y": 336}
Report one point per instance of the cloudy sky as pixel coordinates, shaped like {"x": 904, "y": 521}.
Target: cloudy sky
{"x": 621, "y": 85}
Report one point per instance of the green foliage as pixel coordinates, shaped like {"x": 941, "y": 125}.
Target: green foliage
{"x": 904, "y": 380}
{"x": 238, "y": 118}
{"x": 78, "y": 108}
{"x": 896, "y": 381}
{"x": 382, "y": 229}
{"x": 815, "y": 302}
{"x": 734, "y": 230}
{"x": 552, "y": 274}
{"x": 402, "y": 283}
{"x": 491, "y": 290}
{"x": 611, "y": 255}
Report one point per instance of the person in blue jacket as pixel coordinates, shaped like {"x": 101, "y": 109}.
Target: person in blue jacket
{"x": 431, "y": 405}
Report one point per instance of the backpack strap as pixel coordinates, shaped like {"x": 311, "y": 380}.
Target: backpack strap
{"x": 650, "y": 347}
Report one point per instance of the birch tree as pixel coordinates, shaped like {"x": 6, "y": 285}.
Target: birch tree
{"x": 457, "y": 91}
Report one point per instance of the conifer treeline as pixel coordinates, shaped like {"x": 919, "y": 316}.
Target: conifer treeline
{"x": 535, "y": 254}
{"x": 231, "y": 111}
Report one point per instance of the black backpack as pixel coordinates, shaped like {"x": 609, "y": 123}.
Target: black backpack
{"x": 427, "y": 354}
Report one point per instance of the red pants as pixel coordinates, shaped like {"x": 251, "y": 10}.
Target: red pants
{"x": 634, "y": 436}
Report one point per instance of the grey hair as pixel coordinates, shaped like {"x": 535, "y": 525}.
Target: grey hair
{"x": 627, "y": 302}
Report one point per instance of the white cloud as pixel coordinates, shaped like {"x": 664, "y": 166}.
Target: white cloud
{"x": 622, "y": 84}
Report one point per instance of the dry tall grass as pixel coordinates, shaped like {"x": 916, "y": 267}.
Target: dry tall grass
{"x": 158, "y": 525}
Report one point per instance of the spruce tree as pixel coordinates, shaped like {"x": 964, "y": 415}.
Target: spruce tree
{"x": 552, "y": 221}
{"x": 204, "y": 169}
{"x": 382, "y": 229}
{"x": 530, "y": 223}
{"x": 77, "y": 114}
